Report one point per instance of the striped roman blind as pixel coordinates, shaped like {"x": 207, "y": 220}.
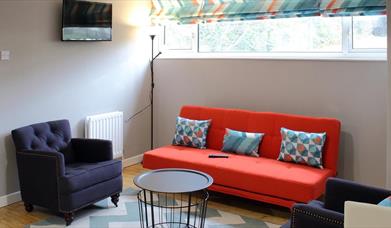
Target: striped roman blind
{"x": 200, "y": 11}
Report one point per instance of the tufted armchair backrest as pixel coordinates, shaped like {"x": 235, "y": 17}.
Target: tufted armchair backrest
{"x": 51, "y": 136}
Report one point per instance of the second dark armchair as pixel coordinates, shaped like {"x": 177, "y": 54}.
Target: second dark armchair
{"x": 330, "y": 213}
{"x": 61, "y": 173}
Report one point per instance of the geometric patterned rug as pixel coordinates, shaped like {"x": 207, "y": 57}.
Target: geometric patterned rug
{"x": 104, "y": 215}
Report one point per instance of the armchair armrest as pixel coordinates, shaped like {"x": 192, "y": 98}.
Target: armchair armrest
{"x": 92, "y": 150}
{"x": 49, "y": 161}
{"x": 305, "y": 215}
{"x": 39, "y": 172}
{"x": 338, "y": 191}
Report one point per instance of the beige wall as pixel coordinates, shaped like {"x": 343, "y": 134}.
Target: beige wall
{"x": 47, "y": 79}
{"x": 354, "y": 92}
{"x": 389, "y": 98}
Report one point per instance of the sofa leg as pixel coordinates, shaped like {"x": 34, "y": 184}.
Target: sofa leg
{"x": 115, "y": 199}
{"x": 28, "y": 207}
{"x": 68, "y": 218}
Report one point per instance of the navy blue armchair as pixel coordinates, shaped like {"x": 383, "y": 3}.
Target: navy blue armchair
{"x": 330, "y": 213}
{"x": 61, "y": 173}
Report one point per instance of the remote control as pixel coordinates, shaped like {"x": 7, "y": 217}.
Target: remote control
{"x": 218, "y": 156}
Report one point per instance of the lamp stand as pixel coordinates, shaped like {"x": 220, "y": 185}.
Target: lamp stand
{"x": 153, "y": 57}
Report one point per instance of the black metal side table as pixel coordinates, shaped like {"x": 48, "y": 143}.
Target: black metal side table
{"x": 173, "y": 198}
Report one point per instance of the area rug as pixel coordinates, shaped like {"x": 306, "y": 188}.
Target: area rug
{"x": 104, "y": 215}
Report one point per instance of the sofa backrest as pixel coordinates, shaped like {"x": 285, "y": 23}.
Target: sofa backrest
{"x": 268, "y": 123}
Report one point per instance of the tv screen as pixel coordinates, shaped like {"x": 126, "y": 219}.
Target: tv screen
{"x": 86, "y": 21}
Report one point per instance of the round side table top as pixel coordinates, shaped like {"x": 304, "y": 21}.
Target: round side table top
{"x": 173, "y": 180}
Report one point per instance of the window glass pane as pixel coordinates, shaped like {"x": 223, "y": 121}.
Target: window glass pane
{"x": 179, "y": 37}
{"x": 370, "y": 32}
{"x": 310, "y": 34}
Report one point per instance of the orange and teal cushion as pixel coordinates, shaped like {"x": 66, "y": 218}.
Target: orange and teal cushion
{"x": 191, "y": 133}
{"x": 386, "y": 202}
{"x": 302, "y": 147}
{"x": 244, "y": 143}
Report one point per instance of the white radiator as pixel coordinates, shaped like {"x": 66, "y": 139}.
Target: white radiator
{"x": 107, "y": 126}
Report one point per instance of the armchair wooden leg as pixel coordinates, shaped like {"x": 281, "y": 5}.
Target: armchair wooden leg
{"x": 68, "y": 218}
{"x": 28, "y": 207}
{"x": 115, "y": 199}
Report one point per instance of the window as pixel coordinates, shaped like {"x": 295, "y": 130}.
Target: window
{"x": 331, "y": 36}
{"x": 278, "y": 35}
{"x": 370, "y": 32}
{"x": 179, "y": 37}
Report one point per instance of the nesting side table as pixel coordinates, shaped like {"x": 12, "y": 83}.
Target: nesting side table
{"x": 173, "y": 198}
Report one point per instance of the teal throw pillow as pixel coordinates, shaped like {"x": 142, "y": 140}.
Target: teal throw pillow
{"x": 191, "y": 133}
{"x": 386, "y": 202}
{"x": 302, "y": 147}
{"x": 244, "y": 143}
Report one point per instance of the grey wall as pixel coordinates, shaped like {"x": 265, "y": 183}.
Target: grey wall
{"x": 47, "y": 79}
{"x": 353, "y": 92}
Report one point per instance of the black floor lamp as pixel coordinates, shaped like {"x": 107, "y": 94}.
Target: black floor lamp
{"x": 150, "y": 105}
{"x": 153, "y": 57}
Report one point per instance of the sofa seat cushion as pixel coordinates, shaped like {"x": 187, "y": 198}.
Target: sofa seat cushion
{"x": 258, "y": 175}
{"x": 79, "y": 176}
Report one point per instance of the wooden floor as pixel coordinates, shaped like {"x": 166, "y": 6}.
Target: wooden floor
{"x": 15, "y": 216}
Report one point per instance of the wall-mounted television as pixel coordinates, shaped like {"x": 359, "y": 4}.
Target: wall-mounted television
{"x": 86, "y": 21}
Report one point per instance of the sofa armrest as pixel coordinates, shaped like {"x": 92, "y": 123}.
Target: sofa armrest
{"x": 338, "y": 191}
{"x": 304, "y": 215}
{"x": 92, "y": 150}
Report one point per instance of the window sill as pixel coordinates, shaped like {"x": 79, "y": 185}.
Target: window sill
{"x": 281, "y": 56}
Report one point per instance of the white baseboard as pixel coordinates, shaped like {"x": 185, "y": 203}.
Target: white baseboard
{"x": 132, "y": 160}
{"x": 10, "y": 199}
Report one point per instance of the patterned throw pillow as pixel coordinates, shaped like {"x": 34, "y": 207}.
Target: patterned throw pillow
{"x": 242, "y": 142}
{"x": 191, "y": 133}
{"x": 386, "y": 202}
{"x": 302, "y": 147}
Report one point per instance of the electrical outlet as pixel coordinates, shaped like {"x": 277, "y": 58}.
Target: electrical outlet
{"x": 5, "y": 55}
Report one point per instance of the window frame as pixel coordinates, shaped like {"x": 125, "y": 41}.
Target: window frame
{"x": 347, "y": 52}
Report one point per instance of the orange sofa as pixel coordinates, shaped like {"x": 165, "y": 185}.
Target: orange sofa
{"x": 264, "y": 179}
